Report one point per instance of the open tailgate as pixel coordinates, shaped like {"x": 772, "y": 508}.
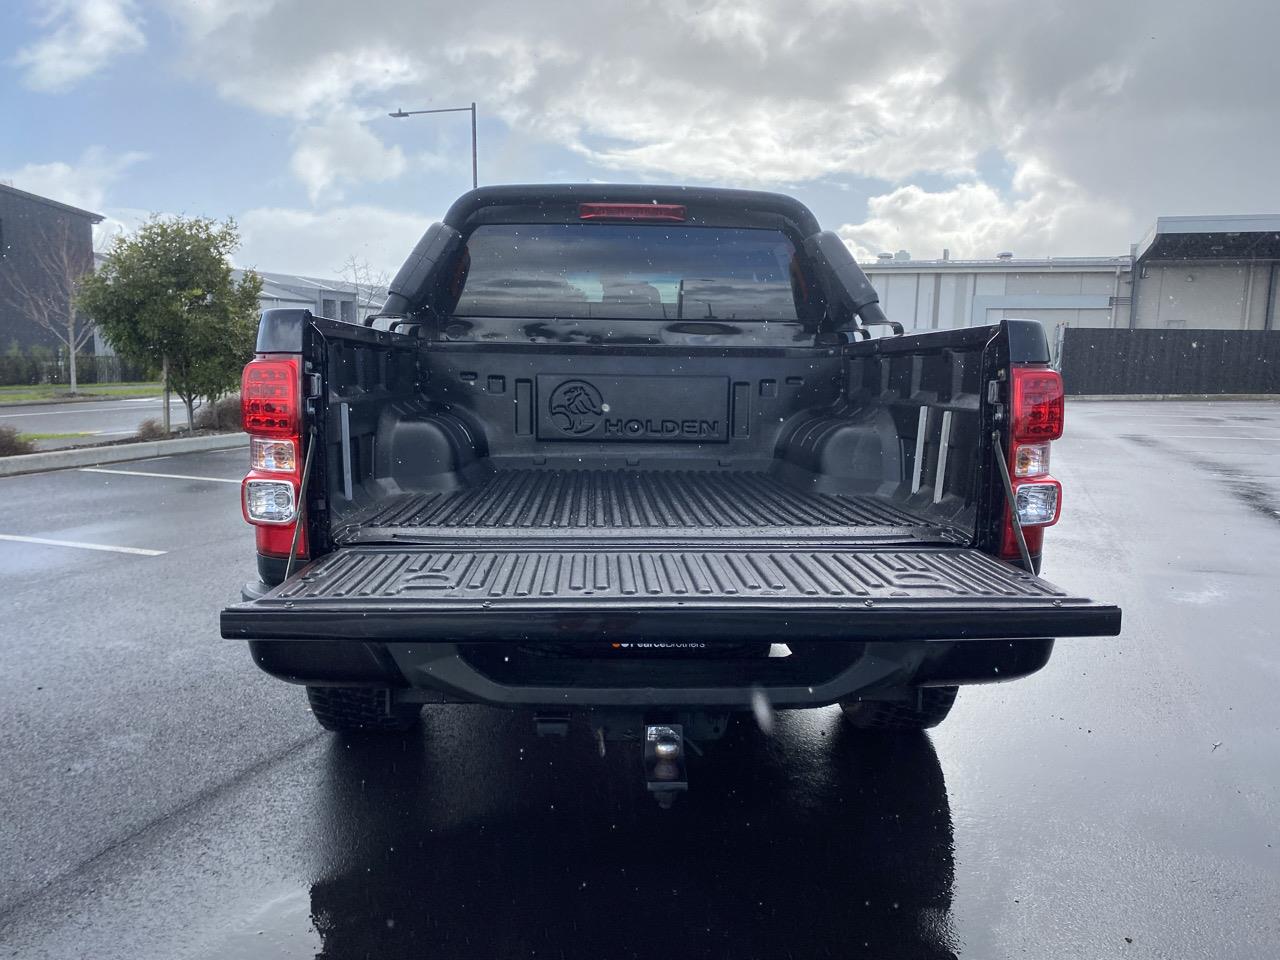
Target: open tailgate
{"x": 459, "y": 593}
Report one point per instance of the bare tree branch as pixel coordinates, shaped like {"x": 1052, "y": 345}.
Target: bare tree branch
{"x": 46, "y": 295}
{"x": 369, "y": 284}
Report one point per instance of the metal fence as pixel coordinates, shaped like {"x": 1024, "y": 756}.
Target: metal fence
{"x": 1105, "y": 362}
{"x": 30, "y": 370}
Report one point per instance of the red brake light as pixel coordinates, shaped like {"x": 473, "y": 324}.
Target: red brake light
{"x": 671, "y": 212}
{"x": 1038, "y": 405}
{"x": 277, "y": 540}
{"x": 269, "y": 405}
{"x": 1037, "y": 410}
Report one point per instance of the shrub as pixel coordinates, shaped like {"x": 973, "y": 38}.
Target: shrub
{"x": 12, "y": 443}
{"x": 221, "y": 414}
{"x": 151, "y": 430}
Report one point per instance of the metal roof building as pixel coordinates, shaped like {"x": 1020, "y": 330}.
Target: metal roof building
{"x": 1187, "y": 273}
{"x": 326, "y": 298}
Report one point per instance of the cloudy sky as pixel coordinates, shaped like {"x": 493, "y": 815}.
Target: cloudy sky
{"x": 978, "y": 125}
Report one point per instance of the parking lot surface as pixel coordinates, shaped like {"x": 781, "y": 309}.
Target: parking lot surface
{"x": 165, "y": 799}
{"x": 97, "y": 420}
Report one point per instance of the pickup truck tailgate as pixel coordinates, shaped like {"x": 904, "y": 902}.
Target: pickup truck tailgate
{"x": 461, "y": 593}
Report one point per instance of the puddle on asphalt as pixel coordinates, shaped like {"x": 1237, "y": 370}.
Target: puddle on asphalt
{"x": 787, "y": 844}
{"x": 281, "y": 929}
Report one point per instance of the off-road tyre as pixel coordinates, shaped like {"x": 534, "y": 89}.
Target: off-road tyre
{"x": 360, "y": 710}
{"x": 890, "y": 716}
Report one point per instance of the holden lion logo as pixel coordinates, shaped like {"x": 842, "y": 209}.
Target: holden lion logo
{"x": 576, "y": 407}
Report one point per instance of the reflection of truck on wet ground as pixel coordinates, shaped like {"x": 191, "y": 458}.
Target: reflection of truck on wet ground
{"x": 632, "y": 454}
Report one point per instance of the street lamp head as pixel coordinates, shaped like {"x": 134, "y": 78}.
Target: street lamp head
{"x": 398, "y": 114}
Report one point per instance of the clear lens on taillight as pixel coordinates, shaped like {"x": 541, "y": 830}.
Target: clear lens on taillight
{"x": 1038, "y": 404}
{"x": 269, "y": 403}
{"x": 1031, "y": 460}
{"x": 280, "y": 456}
{"x": 269, "y": 501}
{"x": 1037, "y": 503}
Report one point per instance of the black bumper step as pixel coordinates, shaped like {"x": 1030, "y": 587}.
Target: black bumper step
{"x": 424, "y": 593}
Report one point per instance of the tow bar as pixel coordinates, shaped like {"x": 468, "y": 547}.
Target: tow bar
{"x": 664, "y": 770}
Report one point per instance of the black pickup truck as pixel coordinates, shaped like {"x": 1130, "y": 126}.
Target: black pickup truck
{"x": 647, "y": 456}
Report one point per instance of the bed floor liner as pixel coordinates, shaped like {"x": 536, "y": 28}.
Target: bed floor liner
{"x": 623, "y": 503}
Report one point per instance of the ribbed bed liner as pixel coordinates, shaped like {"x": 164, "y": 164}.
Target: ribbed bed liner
{"x": 468, "y": 575}
{"x": 469, "y": 593}
{"x": 532, "y": 499}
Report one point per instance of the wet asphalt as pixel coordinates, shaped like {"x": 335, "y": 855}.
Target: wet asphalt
{"x": 161, "y": 798}
{"x": 97, "y": 420}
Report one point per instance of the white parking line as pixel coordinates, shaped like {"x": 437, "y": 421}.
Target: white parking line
{"x": 64, "y": 413}
{"x": 165, "y": 476}
{"x": 139, "y": 551}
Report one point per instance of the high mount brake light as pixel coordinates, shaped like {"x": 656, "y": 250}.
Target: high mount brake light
{"x": 669, "y": 212}
{"x": 269, "y": 403}
{"x": 1038, "y": 404}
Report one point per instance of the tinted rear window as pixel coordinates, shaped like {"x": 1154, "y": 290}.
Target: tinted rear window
{"x": 626, "y": 271}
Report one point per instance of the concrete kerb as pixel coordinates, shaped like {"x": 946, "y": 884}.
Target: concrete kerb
{"x": 118, "y": 453}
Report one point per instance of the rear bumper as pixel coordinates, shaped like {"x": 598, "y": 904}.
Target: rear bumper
{"x": 815, "y": 675}
{"x": 547, "y": 626}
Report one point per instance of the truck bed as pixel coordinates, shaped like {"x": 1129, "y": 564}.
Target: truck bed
{"x": 533, "y": 502}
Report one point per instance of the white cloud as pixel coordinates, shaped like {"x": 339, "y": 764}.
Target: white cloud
{"x": 84, "y": 36}
{"x": 1108, "y": 115}
{"x": 81, "y": 184}
{"x": 317, "y": 244}
{"x": 342, "y": 150}
{"x": 1048, "y": 216}
{"x": 203, "y": 17}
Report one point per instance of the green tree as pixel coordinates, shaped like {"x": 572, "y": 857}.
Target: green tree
{"x": 166, "y": 295}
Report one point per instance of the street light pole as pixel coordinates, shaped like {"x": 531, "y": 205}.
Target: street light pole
{"x": 475, "y": 170}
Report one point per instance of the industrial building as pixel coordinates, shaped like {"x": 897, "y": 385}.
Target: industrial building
{"x": 45, "y": 246}
{"x": 1186, "y": 273}
{"x": 337, "y": 299}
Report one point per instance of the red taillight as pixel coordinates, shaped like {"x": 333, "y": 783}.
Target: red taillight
{"x": 1037, "y": 410}
{"x": 271, "y": 412}
{"x": 1037, "y": 404}
{"x": 269, "y": 404}
{"x": 671, "y": 212}
{"x": 276, "y": 541}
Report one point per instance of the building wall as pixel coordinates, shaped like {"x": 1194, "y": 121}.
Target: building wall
{"x": 935, "y": 296}
{"x": 1221, "y": 295}
{"x": 1200, "y": 294}
{"x": 29, "y": 232}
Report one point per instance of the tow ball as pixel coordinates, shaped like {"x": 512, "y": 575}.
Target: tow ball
{"x": 664, "y": 769}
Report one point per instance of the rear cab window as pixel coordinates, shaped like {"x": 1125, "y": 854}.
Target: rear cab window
{"x": 630, "y": 271}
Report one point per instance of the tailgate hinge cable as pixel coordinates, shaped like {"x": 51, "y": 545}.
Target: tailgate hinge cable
{"x": 302, "y": 501}
{"x": 1007, "y": 482}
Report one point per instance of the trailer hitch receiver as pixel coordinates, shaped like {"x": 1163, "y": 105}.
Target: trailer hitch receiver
{"x": 664, "y": 768}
